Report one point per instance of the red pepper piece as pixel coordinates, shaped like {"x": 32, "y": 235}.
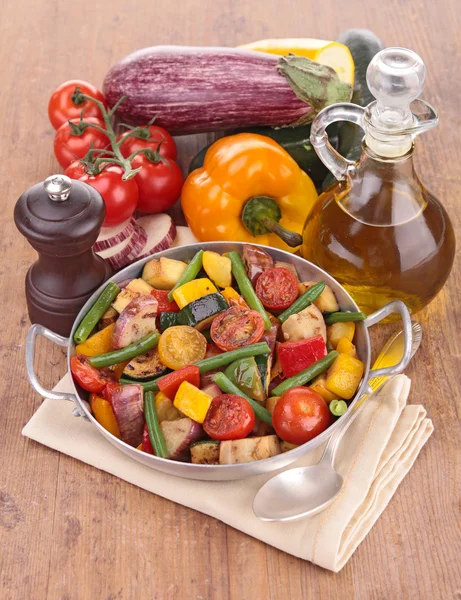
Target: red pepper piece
{"x": 146, "y": 446}
{"x": 170, "y": 383}
{"x": 164, "y": 305}
{"x": 296, "y": 356}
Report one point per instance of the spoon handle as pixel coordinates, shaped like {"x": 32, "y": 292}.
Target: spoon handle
{"x": 333, "y": 443}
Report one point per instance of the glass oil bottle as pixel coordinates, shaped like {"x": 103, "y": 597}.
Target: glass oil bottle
{"x": 378, "y": 230}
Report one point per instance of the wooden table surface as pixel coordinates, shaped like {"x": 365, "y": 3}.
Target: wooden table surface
{"x": 71, "y": 532}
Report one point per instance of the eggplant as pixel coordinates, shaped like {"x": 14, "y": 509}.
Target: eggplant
{"x": 179, "y": 435}
{"x": 136, "y": 321}
{"x": 212, "y": 390}
{"x": 201, "y": 89}
{"x": 233, "y": 452}
{"x": 127, "y": 404}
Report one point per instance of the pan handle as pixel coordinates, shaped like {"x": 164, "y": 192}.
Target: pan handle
{"x": 32, "y": 334}
{"x": 397, "y": 306}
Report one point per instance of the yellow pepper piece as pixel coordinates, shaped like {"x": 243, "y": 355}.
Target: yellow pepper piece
{"x": 97, "y": 344}
{"x": 103, "y": 413}
{"x": 165, "y": 408}
{"x": 345, "y": 346}
{"x": 192, "y": 402}
{"x": 218, "y": 268}
{"x": 344, "y": 376}
{"x": 240, "y": 168}
{"x": 233, "y": 297}
{"x": 339, "y": 330}
{"x": 335, "y": 55}
{"x": 193, "y": 290}
{"x": 318, "y": 385}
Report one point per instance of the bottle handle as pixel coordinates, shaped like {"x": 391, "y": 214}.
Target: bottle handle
{"x": 344, "y": 111}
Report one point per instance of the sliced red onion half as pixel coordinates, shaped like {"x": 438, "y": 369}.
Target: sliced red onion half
{"x": 126, "y": 251}
{"x": 112, "y": 236}
{"x": 161, "y": 232}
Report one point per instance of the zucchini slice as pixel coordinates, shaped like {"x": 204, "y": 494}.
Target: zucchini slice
{"x": 264, "y": 363}
{"x": 145, "y": 366}
{"x": 168, "y": 319}
{"x": 201, "y": 312}
{"x": 205, "y": 452}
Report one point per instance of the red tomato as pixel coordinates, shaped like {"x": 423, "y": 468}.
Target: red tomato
{"x": 146, "y": 445}
{"x": 277, "y": 288}
{"x": 63, "y": 102}
{"x": 237, "y": 327}
{"x": 109, "y": 390}
{"x": 159, "y": 184}
{"x": 300, "y": 415}
{"x": 149, "y": 136}
{"x": 164, "y": 305}
{"x": 229, "y": 417}
{"x": 89, "y": 378}
{"x": 120, "y": 197}
{"x": 75, "y": 170}
{"x": 68, "y": 147}
{"x": 169, "y": 384}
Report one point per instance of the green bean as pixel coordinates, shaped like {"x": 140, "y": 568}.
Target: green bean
{"x": 127, "y": 353}
{"x": 344, "y": 317}
{"x": 304, "y": 376}
{"x": 220, "y": 360}
{"x": 226, "y": 386}
{"x": 209, "y": 364}
{"x": 95, "y": 313}
{"x": 246, "y": 289}
{"x": 303, "y": 301}
{"x": 337, "y": 407}
{"x": 149, "y": 386}
{"x": 153, "y": 426}
{"x": 190, "y": 273}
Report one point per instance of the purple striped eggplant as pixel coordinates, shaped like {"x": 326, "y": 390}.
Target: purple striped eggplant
{"x": 195, "y": 89}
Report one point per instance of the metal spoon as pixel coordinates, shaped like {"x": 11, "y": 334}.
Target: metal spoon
{"x": 305, "y": 491}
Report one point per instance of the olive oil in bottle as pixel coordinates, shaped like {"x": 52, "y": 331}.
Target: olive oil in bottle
{"x": 378, "y": 230}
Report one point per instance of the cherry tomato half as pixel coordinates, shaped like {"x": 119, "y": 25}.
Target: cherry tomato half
{"x": 120, "y": 197}
{"x": 69, "y": 147}
{"x": 237, "y": 327}
{"x": 277, "y": 288}
{"x": 62, "y": 105}
{"x": 164, "y": 305}
{"x": 180, "y": 346}
{"x": 89, "y": 378}
{"x": 229, "y": 417}
{"x": 159, "y": 184}
{"x": 300, "y": 415}
{"x": 150, "y": 136}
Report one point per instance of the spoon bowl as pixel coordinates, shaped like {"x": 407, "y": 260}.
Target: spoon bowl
{"x": 297, "y": 493}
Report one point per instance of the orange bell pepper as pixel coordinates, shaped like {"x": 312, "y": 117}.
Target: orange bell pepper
{"x": 104, "y": 414}
{"x": 249, "y": 190}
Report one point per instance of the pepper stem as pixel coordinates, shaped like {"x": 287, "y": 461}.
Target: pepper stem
{"x": 261, "y": 214}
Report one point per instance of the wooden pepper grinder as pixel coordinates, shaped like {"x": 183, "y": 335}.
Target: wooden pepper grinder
{"x": 61, "y": 218}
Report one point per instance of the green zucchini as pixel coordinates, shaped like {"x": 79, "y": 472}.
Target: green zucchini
{"x": 201, "y": 312}
{"x": 145, "y": 366}
{"x": 264, "y": 363}
{"x": 363, "y": 45}
{"x": 244, "y": 373}
{"x": 205, "y": 452}
{"x": 168, "y": 319}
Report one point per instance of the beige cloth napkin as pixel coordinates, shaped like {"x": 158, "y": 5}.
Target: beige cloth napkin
{"x": 374, "y": 456}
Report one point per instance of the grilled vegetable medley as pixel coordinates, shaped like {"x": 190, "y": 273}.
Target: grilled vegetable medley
{"x": 224, "y": 360}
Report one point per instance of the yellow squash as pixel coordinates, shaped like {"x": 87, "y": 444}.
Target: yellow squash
{"x": 333, "y": 54}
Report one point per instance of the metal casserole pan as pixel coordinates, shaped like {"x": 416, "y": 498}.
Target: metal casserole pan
{"x": 307, "y": 271}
